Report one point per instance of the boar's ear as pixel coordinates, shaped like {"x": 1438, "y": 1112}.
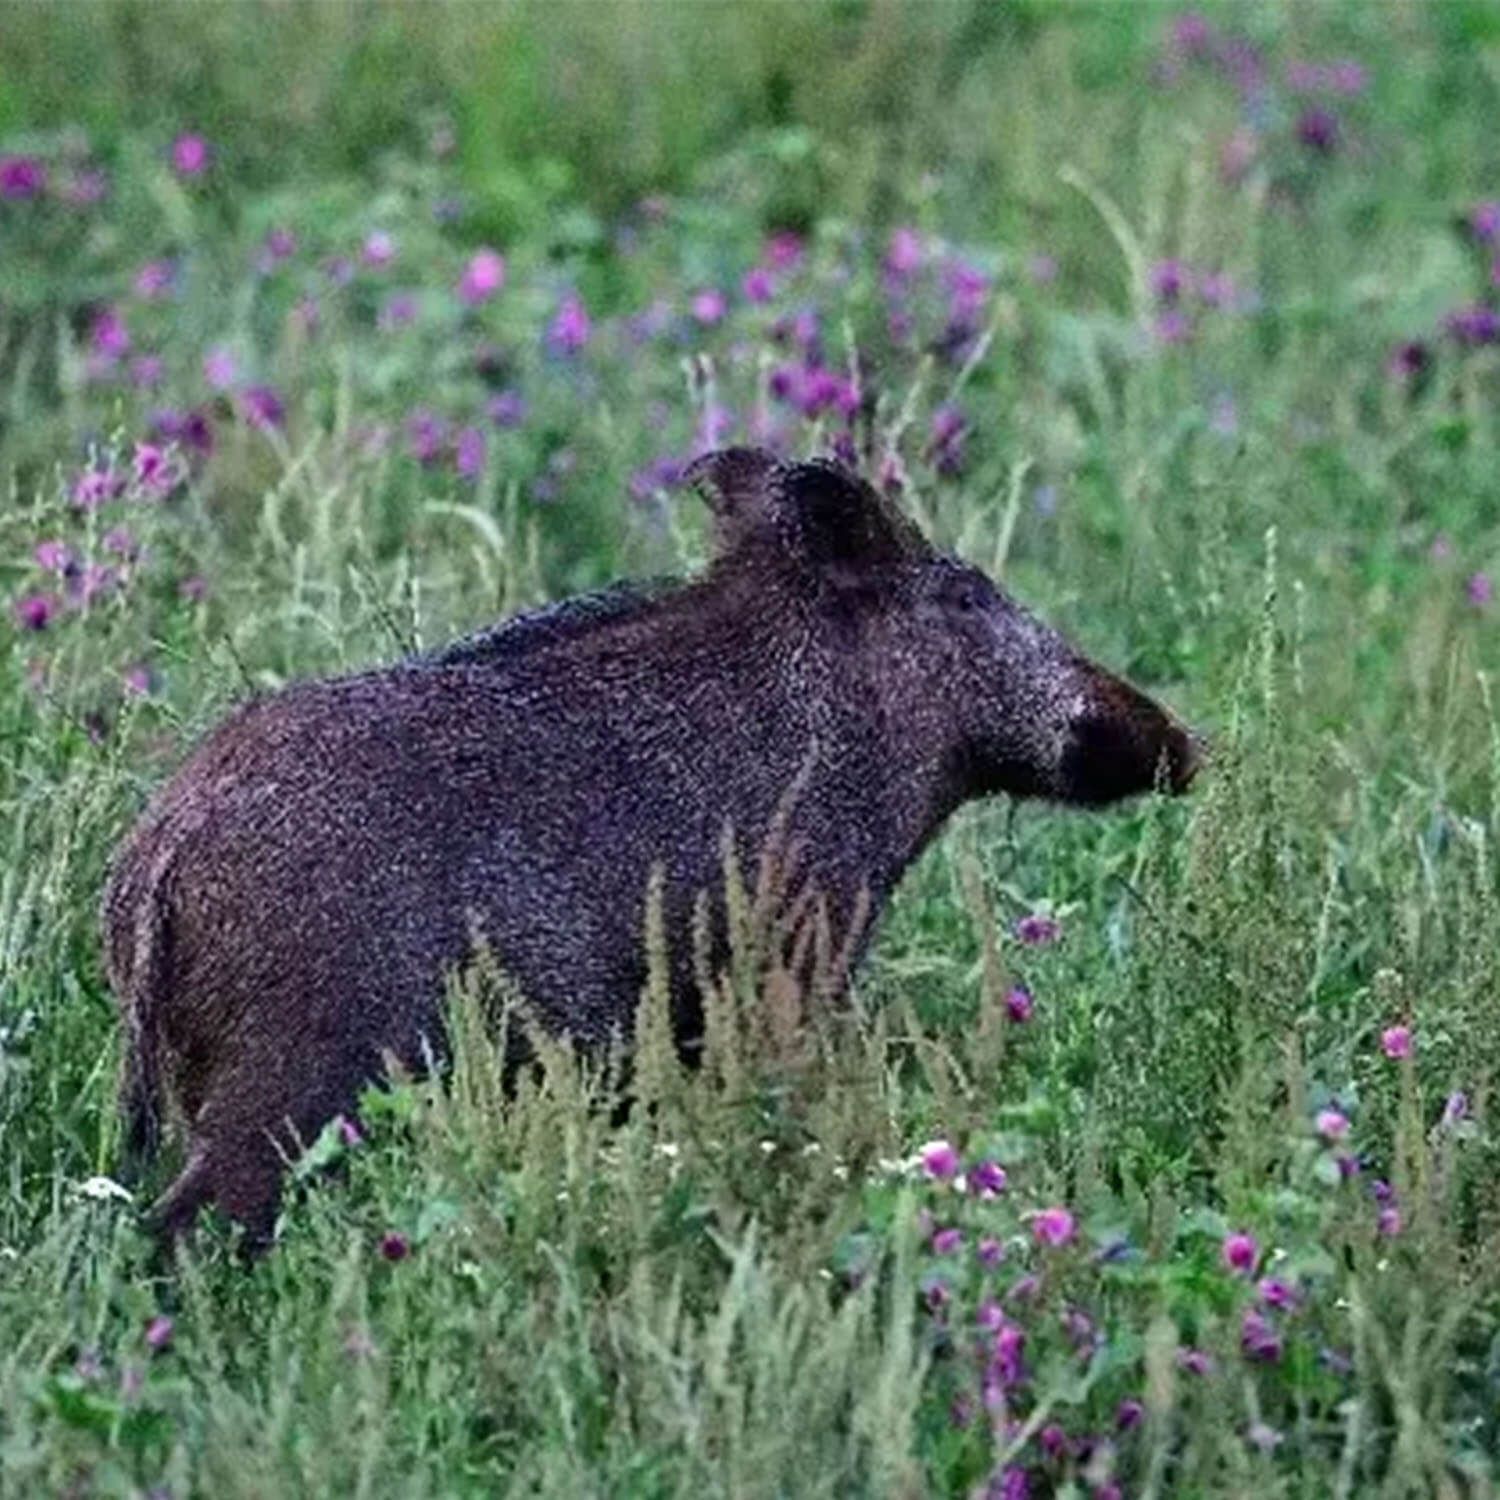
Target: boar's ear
{"x": 839, "y": 521}
{"x": 739, "y": 486}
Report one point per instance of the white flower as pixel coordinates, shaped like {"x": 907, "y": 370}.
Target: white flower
{"x": 103, "y": 1188}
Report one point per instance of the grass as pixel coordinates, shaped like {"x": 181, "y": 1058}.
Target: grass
{"x": 752, "y": 1285}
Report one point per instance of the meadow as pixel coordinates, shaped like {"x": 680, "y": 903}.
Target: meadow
{"x": 1152, "y": 1155}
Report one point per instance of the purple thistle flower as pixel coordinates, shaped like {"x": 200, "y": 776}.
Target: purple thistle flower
{"x": 281, "y": 244}
{"x": 1023, "y": 1289}
{"x": 986, "y": 1178}
{"x": 1195, "y": 1361}
{"x": 349, "y": 1131}
{"x": 93, "y": 487}
{"x": 1395, "y": 1041}
{"x": 1012, "y": 1483}
{"x": 1408, "y": 360}
{"x": 904, "y": 255}
{"x": 1006, "y": 1350}
{"x": 571, "y": 326}
{"x": 989, "y": 1252}
{"x": 36, "y": 611}
{"x": 783, "y": 250}
{"x": 989, "y": 1316}
{"x": 396, "y": 312}
{"x": 1479, "y": 591}
{"x": 109, "y": 337}
{"x": 1332, "y": 1124}
{"x": 1173, "y": 327}
{"x": 378, "y": 250}
{"x": 121, "y": 541}
{"x": 1128, "y": 1414}
{"x": 153, "y": 469}
{"x": 262, "y": 407}
{"x": 1347, "y": 76}
{"x": 469, "y": 448}
{"x": 154, "y": 279}
{"x": 939, "y": 1160}
{"x": 506, "y": 409}
{"x": 1053, "y": 1227}
{"x": 21, "y": 177}
{"x": 1455, "y": 1109}
{"x": 947, "y": 1241}
{"x": 1474, "y": 325}
{"x": 394, "y": 1245}
{"x": 1318, "y": 130}
{"x": 219, "y": 368}
{"x": 426, "y": 434}
{"x": 192, "y": 429}
{"x": 146, "y": 372}
{"x": 1258, "y": 1339}
{"x": 1484, "y": 220}
{"x": 483, "y": 276}
{"x": 936, "y": 1295}
{"x": 1240, "y": 1252}
{"x": 137, "y": 680}
{"x": 1170, "y": 280}
{"x": 1019, "y": 1006}
{"x": 1388, "y": 1221}
{"x": 1275, "y": 1292}
{"x": 159, "y": 1332}
{"x": 708, "y": 306}
{"x": 758, "y": 285}
{"x": 190, "y": 155}
{"x": 1192, "y": 35}
{"x": 1036, "y": 930}
{"x": 54, "y": 556}
{"x": 1052, "y": 1440}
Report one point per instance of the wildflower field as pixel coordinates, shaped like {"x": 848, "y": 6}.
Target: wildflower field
{"x": 1153, "y": 1154}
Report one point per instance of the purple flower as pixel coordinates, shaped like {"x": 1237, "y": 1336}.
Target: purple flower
{"x": 1037, "y": 930}
{"x": 94, "y": 486}
{"x": 109, "y": 337}
{"x": 190, "y": 155}
{"x": 153, "y": 469}
{"x": 21, "y": 177}
{"x": 936, "y": 1295}
{"x": 1128, "y": 1414}
{"x": 1395, "y": 1041}
{"x": 987, "y": 1178}
{"x": 571, "y": 326}
{"x": 396, "y": 312}
{"x": 426, "y": 434}
{"x": 990, "y": 1316}
{"x": 159, "y": 1332}
{"x": 946, "y": 449}
{"x": 1195, "y": 1361}
{"x": 1455, "y": 1109}
{"x": 394, "y": 1245}
{"x": 146, "y": 372}
{"x": 1332, "y": 1124}
{"x": 758, "y": 285}
{"x": 190, "y": 428}
{"x": 939, "y": 1160}
{"x": 219, "y": 369}
{"x": 1170, "y": 280}
{"x": 1005, "y": 1354}
{"x": 1191, "y": 34}
{"x": 468, "y": 452}
{"x": 193, "y": 588}
{"x": 378, "y": 251}
{"x": 783, "y": 250}
{"x": 506, "y": 409}
{"x": 1408, "y": 360}
{"x": 36, "y": 611}
{"x": 120, "y": 541}
{"x": 1019, "y": 1006}
{"x": 1479, "y": 591}
{"x": 154, "y": 279}
{"x": 262, "y": 407}
{"x": 483, "y": 276}
{"x": 1485, "y": 220}
{"x": 1275, "y": 1292}
{"x": 1318, "y": 130}
{"x": 54, "y": 556}
{"x": 1053, "y": 1227}
{"x": 1173, "y": 327}
{"x": 708, "y": 306}
{"x": 1012, "y": 1483}
{"x": 1239, "y": 1252}
{"x": 1474, "y": 325}
{"x": 349, "y": 1131}
{"x": 989, "y": 1252}
{"x": 137, "y": 680}
{"x": 1258, "y": 1339}
{"x": 281, "y": 244}
{"x": 1388, "y": 1221}
{"x": 947, "y": 1241}
{"x": 1052, "y": 1440}
{"x": 904, "y": 255}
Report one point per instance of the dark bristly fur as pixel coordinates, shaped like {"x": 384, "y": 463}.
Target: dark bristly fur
{"x": 285, "y": 911}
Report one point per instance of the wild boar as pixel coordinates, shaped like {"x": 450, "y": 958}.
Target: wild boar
{"x": 286, "y": 910}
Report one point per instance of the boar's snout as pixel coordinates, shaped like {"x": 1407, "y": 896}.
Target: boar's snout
{"x": 1120, "y": 742}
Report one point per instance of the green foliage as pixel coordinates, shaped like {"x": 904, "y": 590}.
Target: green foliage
{"x": 748, "y": 1284}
